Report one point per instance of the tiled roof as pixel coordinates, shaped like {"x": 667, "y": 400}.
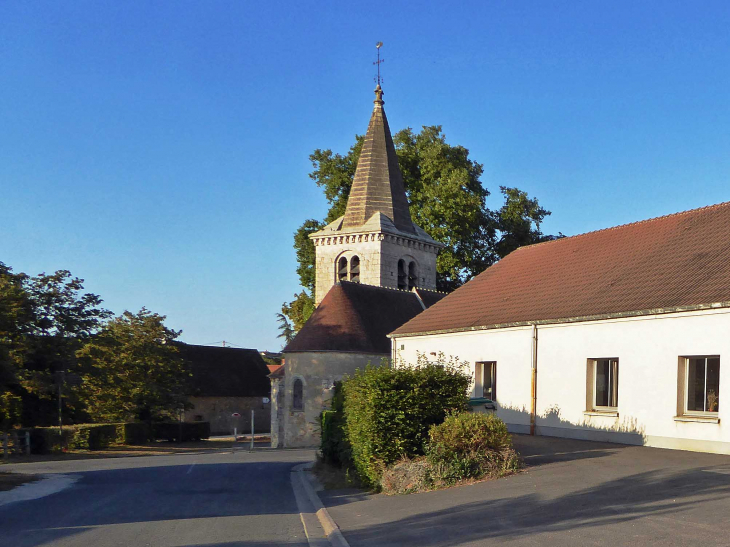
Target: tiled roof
{"x": 378, "y": 183}
{"x": 675, "y": 261}
{"x": 226, "y": 372}
{"x": 354, "y": 317}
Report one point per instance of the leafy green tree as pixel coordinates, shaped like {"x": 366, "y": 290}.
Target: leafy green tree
{"x": 287, "y": 331}
{"x": 132, "y": 369}
{"x": 43, "y": 321}
{"x": 447, "y": 199}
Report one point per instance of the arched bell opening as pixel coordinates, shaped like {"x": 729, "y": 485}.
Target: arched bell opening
{"x": 355, "y": 269}
{"x": 402, "y": 275}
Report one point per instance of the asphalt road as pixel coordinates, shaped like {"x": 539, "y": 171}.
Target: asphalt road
{"x": 573, "y": 494}
{"x": 222, "y": 499}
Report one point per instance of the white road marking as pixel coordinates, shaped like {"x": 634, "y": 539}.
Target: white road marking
{"x": 190, "y": 469}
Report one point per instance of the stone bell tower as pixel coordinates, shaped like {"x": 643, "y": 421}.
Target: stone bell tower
{"x": 375, "y": 242}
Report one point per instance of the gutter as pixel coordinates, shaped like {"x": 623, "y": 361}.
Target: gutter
{"x": 533, "y": 382}
{"x": 565, "y": 320}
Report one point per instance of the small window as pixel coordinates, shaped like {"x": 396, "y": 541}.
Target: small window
{"x": 701, "y": 377}
{"x": 355, "y": 269}
{"x": 297, "y": 395}
{"x": 485, "y": 380}
{"x": 412, "y": 276}
{"x": 198, "y": 417}
{"x": 603, "y": 384}
{"x": 342, "y": 269}
{"x": 402, "y": 275}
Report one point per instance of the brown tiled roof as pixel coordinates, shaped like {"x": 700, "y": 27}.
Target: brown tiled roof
{"x": 675, "y": 261}
{"x": 226, "y": 372}
{"x": 378, "y": 183}
{"x": 354, "y": 317}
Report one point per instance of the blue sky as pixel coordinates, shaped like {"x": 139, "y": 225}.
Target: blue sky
{"x": 159, "y": 150}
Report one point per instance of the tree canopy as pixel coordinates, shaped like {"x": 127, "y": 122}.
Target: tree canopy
{"x": 447, "y": 199}
{"x": 132, "y": 369}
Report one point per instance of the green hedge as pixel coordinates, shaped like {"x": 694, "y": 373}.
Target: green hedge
{"x": 388, "y": 412}
{"x": 93, "y": 436}
{"x": 334, "y": 445}
{"x": 191, "y": 431}
{"x": 134, "y": 433}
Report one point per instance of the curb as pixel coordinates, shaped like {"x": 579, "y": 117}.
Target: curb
{"x": 331, "y": 530}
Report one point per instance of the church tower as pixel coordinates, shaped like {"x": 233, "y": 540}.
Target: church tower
{"x": 375, "y": 242}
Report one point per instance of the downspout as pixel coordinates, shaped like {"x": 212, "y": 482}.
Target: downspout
{"x": 533, "y": 391}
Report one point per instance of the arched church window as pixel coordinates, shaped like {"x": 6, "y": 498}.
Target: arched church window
{"x": 297, "y": 402}
{"x": 412, "y": 276}
{"x": 342, "y": 269}
{"x": 402, "y": 275}
{"x": 355, "y": 269}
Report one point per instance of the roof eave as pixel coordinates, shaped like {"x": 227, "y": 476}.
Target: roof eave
{"x": 577, "y": 319}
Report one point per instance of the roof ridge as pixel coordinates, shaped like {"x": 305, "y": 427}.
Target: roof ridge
{"x": 635, "y": 223}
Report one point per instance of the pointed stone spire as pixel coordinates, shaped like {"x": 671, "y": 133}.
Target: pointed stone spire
{"x": 378, "y": 183}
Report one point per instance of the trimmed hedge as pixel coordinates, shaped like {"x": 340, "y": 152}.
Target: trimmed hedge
{"x": 134, "y": 433}
{"x": 93, "y": 436}
{"x": 191, "y": 431}
{"x": 388, "y": 412}
{"x": 334, "y": 445}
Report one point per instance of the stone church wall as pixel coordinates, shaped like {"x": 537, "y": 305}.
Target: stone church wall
{"x": 318, "y": 372}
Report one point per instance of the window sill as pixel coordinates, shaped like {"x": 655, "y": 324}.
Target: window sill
{"x": 605, "y": 413}
{"x": 698, "y": 419}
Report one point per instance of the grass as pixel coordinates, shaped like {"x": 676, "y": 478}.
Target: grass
{"x": 8, "y": 481}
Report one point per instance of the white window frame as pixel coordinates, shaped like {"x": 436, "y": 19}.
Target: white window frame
{"x": 479, "y": 368}
{"x": 613, "y": 384}
{"x": 685, "y": 391}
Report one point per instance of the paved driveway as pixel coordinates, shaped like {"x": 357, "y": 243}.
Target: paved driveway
{"x": 574, "y": 493}
{"x": 223, "y": 499}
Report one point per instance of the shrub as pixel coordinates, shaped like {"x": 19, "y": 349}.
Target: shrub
{"x": 471, "y": 446}
{"x": 46, "y": 440}
{"x": 334, "y": 445}
{"x": 408, "y": 476}
{"x": 92, "y": 436}
{"x": 134, "y": 433}
{"x": 388, "y": 412}
{"x": 191, "y": 431}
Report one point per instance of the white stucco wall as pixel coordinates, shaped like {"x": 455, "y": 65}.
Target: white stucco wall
{"x": 648, "y": 349}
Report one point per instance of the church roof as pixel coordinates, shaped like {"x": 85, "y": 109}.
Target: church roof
{"x": 226, "y": 372}
{"x": 670, "y": 263}
{"x": 378, "y": 183}
{"x": 354, "y": 317}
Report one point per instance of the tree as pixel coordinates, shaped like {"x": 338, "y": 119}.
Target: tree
{"x": 287, "y": 331}
{"x": 43, "y": 321}
{"x": 132, "y": 369}
{"x": 447, "y": 199}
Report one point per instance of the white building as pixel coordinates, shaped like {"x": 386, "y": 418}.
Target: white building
{"x": 618, "y": 335}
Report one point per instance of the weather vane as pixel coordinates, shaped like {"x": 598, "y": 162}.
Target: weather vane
{"x": 378, "y": 80}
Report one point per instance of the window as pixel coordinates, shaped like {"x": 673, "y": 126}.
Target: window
{"x": 297, "y": 395}
{"x": 605, "y": 384}
{"x": 412, "y": 276}
{"x": 701, "y": 378}
{"x": 342, "y": 269}
{"x": 355, "y": 269}
{"x": 402, "y": 276}
{"x": 485, "y": 380}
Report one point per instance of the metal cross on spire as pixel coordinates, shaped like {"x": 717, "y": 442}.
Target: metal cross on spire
{"x": 378, "y": 80}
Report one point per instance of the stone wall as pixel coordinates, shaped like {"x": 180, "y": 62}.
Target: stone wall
{"x": 277, "y": 412}
{"x": 218, "y": 411}
{"x": 318, "y": 371}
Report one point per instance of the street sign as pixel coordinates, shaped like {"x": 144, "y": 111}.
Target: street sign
{"x": 236, "y": 415}
{"x": 266, "y": 400}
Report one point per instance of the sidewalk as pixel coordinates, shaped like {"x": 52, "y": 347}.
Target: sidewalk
{"x": 573, "y": 493}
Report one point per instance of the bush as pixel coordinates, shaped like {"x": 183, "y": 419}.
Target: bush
{"x": 388, "y": 412}
{"x": 92, "y": 436}
{"x": 46, "y": 440}
{"x": 334, "y": 445}
{"x": 191, "y": 431}
{"x": 408, "y": 476}
{"x": 134, "y": 433}
{"x": 471, "y": 446}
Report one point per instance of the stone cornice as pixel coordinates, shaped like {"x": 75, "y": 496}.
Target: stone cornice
{"x": 347, "y": 239}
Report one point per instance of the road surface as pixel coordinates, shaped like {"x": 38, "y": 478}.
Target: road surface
{"x": 225, "y": 499}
